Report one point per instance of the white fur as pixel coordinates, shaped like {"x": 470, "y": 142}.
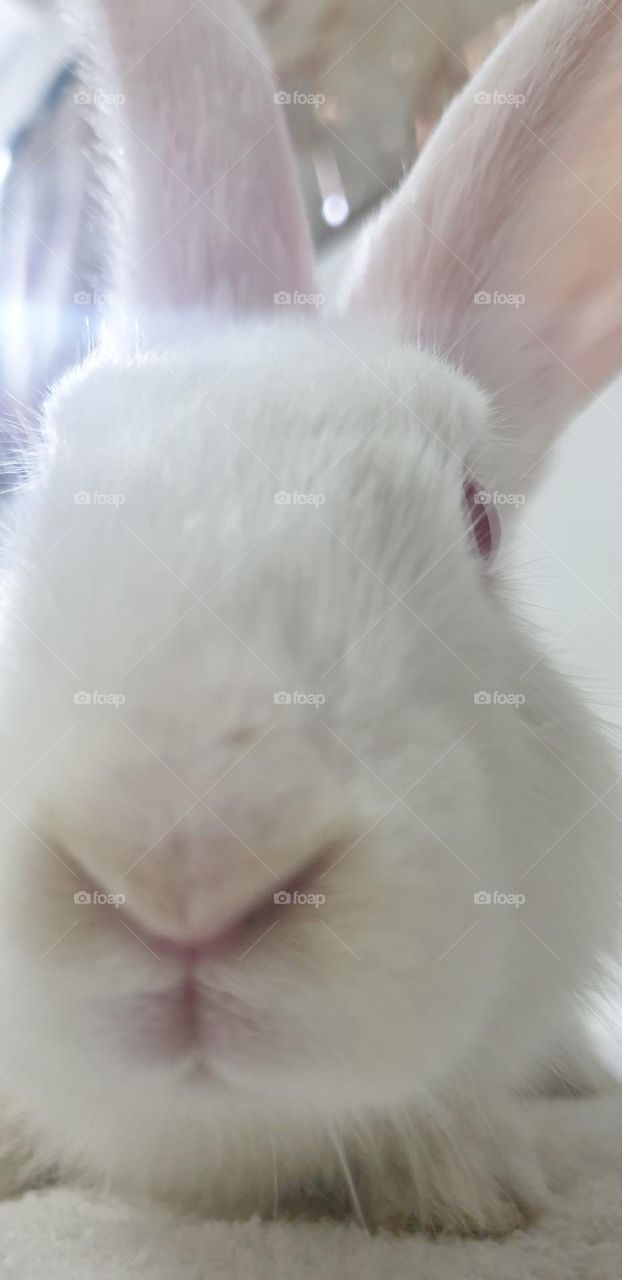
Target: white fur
{"x": 363, "y": 1054}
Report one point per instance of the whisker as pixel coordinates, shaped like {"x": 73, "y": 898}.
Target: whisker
{"x": 341, "y": 1156}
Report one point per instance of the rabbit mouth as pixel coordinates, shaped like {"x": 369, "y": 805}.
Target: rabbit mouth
{"x": 187, "y": 1016}
{"x": 196, "y": 1022}
{"x": 199, "y": 1029}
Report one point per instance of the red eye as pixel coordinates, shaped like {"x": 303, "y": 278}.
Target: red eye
{"x": 483, "y": 518}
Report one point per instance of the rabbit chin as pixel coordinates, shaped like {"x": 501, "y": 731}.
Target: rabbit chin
{"x": 153, "y": 1107}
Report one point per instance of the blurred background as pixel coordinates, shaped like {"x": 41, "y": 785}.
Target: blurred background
{"x": 363, "y": 82}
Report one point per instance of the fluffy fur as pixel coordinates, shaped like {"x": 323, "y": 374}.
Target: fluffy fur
{"x": 202, "y": 1042}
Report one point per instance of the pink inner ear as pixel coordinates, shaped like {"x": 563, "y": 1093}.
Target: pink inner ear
{"x": 483, "y": 518}
{"x": 503, "y": 249}
{"x": 216, "y": 212}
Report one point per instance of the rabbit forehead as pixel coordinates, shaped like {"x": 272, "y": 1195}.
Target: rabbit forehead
{"x": 286, "y": 396}
{"x": 191, "y": 471}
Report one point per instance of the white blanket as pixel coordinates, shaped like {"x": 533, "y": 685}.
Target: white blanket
{"x": 65, "y": 1235}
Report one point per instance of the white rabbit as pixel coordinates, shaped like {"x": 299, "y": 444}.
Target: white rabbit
{"x": 306, "y": 857}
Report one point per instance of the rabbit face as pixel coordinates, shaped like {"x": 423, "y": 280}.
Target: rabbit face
{"x": 236, "y": 860}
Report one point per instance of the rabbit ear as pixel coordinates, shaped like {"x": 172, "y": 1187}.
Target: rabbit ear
{"x": 188, "y": 103}
{"x": 503, "y": 248}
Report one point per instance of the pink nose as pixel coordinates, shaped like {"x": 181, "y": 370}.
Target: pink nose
{"x": 237, "y": 937}
{"x": 228, "y": 942}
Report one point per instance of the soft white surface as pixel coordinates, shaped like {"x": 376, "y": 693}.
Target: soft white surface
{"x": 66, "y": 1236}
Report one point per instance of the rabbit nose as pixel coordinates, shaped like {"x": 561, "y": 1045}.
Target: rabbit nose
{"x": 185, "y": 877}
{"x": 238, "y": 936}
{"x": 206, "y": 903}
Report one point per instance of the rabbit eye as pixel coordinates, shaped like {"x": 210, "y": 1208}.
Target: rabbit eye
{"x": 482, "y": 519}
